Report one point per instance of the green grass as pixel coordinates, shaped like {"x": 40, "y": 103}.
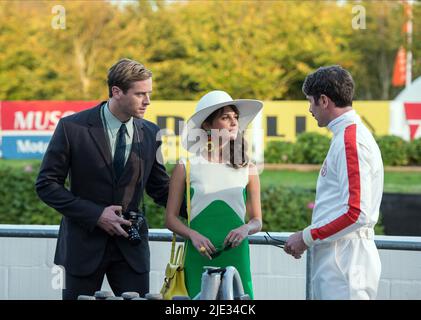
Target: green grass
{"x": 306, "y": 180}
{"x": 399, "y": 182}
{"x": 402, "y": 182}
{"x": 17, "y": 164}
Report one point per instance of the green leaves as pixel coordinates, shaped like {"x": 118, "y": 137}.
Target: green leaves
{"x": 251, "y": 49}
{"x": 414, "y": 152}
{"x": 286, "y": 209}
{"x": 394, "y": 150}
{"x": 19, "y": 203}
{"x": 279, "y": 152}
{"x": 310, "y": 148}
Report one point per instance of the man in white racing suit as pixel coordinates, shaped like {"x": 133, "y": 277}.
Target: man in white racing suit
{"x": 345, "y": 260}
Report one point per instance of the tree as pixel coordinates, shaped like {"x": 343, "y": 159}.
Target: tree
{"x": 251, "y": 49}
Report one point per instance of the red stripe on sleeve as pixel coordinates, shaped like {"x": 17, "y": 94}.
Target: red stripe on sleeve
{"x": 354, "y": 210}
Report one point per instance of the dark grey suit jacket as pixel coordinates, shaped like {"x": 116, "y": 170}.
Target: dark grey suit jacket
{"x": 79, "y": 149}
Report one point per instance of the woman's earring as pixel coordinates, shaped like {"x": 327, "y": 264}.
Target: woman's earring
{"x": 211, "y": 146}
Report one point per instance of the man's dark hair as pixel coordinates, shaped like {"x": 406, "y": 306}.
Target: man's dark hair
{"x": 333, "y": 81}
{"x": 124, "y": 73}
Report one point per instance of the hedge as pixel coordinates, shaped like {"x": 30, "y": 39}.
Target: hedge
{"x": 394, "y": 150}
{"x": 312, "y": 148}
{"x": 414, "y": 152}
{"x": 309, "y": 148}
{"x": 284, "y": 209}
{"x": 279, "y": 152}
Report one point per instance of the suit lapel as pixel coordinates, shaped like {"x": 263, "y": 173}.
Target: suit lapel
{"x": 96, "y": 130}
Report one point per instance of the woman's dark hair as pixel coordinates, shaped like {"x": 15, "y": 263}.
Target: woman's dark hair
{"x": 332, "y": 81}
{"x": 238, "y": 147}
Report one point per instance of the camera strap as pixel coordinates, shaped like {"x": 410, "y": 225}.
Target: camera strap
{"x": 140, "y": 178}
{"x": 143, "y": 205}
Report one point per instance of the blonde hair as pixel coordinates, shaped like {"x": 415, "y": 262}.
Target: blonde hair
{"x": 123, "y": 73}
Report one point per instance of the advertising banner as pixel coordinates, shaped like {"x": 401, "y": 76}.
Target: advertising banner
{"x": 27, "y": 126}
{"x": 405, "y": 112}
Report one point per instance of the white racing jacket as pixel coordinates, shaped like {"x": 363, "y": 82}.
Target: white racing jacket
{"x": 350, "y": 183}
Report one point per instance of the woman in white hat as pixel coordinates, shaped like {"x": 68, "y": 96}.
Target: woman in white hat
{"x": 224, "y": 187}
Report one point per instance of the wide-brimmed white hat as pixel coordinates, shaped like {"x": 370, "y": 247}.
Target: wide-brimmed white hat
{"x": 214, "y": 100}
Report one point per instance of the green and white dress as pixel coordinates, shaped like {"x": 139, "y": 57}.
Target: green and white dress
{"x": 218, "y": 205}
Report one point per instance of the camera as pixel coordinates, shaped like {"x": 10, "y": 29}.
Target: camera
{"x": 137, "y": 220}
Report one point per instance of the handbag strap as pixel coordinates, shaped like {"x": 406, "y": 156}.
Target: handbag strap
{"x": 188, "y": 190}
{"x": 179, "y": 256}
{"x": 174, "y": 236}
{"x": 188, "y": 204}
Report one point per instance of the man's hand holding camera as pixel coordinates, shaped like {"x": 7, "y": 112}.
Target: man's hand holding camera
{"x": 295, "y": 245}
{"x": 111, "y": 221}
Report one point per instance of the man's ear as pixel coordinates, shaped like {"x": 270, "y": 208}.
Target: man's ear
{"x": 324, "y": 101}
{"x": 116, "y": 91}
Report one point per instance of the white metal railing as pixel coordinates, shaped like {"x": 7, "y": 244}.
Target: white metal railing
{"x": 261, "y": 238}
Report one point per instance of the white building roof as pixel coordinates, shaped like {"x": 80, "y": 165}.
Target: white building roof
{"x": 412, "y": 93}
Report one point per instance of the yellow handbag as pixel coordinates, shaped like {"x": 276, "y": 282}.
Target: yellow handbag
{"x": 174, "y": 282}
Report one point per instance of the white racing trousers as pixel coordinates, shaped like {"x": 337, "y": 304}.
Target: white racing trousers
{"x": 346, "y": 269}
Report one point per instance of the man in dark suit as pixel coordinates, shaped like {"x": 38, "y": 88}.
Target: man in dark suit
{"x": 110, "y": 154}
